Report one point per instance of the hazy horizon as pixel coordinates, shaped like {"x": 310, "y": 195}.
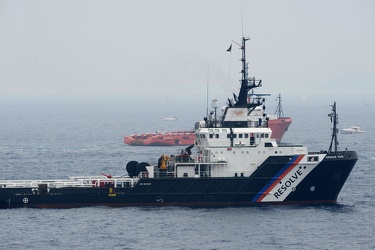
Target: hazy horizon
{"x": 150, "y": 52}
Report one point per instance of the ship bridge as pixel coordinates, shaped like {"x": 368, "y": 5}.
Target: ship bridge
{"x": 230, "y": 137}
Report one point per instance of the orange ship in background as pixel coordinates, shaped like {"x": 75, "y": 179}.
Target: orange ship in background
{"x": 173, "y": 138}
{"x": 277, "y": 122}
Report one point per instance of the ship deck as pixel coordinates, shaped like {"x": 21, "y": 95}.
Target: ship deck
{"x": 78, "y": 181}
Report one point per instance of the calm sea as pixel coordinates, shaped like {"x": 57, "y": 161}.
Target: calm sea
{"x": 47, "y": 140}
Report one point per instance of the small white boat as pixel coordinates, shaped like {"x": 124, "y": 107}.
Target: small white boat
{"x": 170, "y": 118}
{"x": 352, "y": 130}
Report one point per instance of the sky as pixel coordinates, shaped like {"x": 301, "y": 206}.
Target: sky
{"x": 175, "y": 50}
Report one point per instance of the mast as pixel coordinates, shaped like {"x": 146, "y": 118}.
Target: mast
{"x": 240, "y": 104}
{"x": 246, "y": 83}
{"x": 279, "y": 109}
{"x": 208, "y": 77}
{"x": 334, "y": 120}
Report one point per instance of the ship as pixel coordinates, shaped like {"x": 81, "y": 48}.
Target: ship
{"x": 172, "y": 138}
{"x": 170, "y": 118}
{"x": 281, "y": 123}
{"x": 232, "y": 163}
{"x": 278, "y": 123}
{"x": 352, "y": 130}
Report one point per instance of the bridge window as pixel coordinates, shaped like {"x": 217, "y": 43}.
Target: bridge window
{"x": 252, "y": 140}
{"x": 268, "y": 145}
{"x": 313, "y": 158}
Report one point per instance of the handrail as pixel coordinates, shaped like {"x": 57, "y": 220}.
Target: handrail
{"x": 72, "y": 182}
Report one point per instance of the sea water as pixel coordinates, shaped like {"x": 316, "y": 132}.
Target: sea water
{"x": 44, "y": 141}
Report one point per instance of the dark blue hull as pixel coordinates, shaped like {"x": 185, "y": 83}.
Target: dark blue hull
{"x": 321, "y": 186}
